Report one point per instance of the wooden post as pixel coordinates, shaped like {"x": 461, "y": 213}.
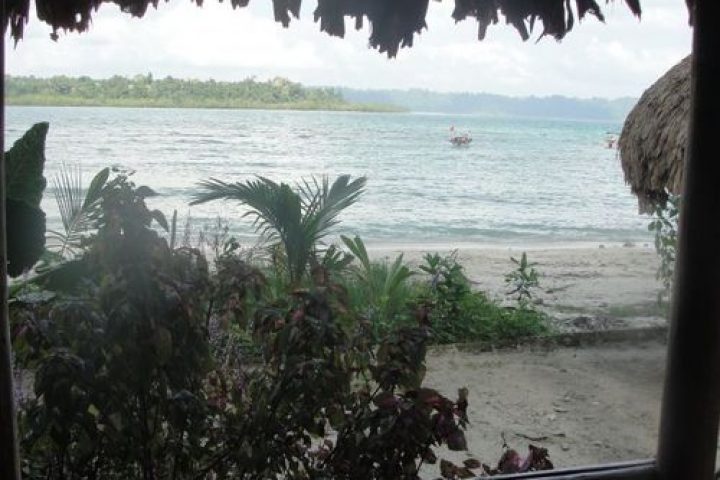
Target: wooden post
{"x": 691, "y": 402}
{"x": 9, "y": 461}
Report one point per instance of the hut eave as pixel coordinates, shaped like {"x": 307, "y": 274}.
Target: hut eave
{"x": 654, "y": 137}
{"x": 394, "y": 23}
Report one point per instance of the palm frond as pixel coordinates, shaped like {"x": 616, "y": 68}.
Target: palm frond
{"x": 215, "y": 189}
{"x": 276, "y": 211}
{"x": 322, "y": 214}
{"x": 357, "y": 248}
{"x": 310, "y": 191}
{"x": 68, "y": 193}
{"x": 78, "y": 208}
{"x": 298, "y": 219}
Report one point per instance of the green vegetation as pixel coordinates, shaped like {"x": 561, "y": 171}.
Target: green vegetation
{"x": 379, "y": 291}
{"x": 523, "y": 280}
{"x": 298, "y": 220}
{"x": 24, "y": 165}
{"x": 135, "y": 345}
{"x": 146, "y": 91}
{"x": 665, "y": 227}
{"x": 458, "y": 314}
{"x": 386, "y": 295}
{"x": 78, "y": 208}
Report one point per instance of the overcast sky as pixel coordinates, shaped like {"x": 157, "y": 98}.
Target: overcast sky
{"x": 618, "y": 58}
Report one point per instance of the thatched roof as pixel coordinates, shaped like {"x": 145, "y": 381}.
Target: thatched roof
{"x": 394, "y": 22}
{"x": 653, "y": 139}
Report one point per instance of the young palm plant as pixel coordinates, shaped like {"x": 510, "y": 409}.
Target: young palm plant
{"x": 383, "y": 287}
{"x": 296, "y": 219}
{"x": 78, "y": 208}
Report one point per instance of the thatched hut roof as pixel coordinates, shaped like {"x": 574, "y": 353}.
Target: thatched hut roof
{"x": 394, "y": 22}
{"x": 654, "y": 137}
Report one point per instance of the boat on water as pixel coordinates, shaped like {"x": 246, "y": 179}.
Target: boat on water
{"x": 459, "y": 139}
{"x": 611, "y": 140}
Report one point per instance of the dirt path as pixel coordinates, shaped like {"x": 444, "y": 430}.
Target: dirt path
{"x": 586, "y": 406}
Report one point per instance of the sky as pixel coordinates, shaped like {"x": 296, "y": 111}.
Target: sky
{"x": 620, "y": 57}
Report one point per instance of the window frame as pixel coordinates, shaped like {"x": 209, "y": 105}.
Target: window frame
{"x": 632, "y": 470}
{"x": 687, "y": 442}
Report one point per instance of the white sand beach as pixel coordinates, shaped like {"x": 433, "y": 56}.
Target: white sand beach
{"x": 585, "y": 405}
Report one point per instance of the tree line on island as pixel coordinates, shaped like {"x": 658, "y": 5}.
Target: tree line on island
{"x": 147, "y": 91}
{"x": 281, "y": 93}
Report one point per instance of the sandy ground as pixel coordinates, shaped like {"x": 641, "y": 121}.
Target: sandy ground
{"x": 586, "y": 406}
{"x": 609, "y": 281}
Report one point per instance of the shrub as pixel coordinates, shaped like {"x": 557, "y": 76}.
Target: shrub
{"x": 459, "y": 314}
{"x": 379, "y": 291}
{"x": 328, "y": 403}
{"x": 522, "y": 281}
{"x": 131, "y": 379}
{"x": 126, "y": 387}
{"x": 119, "y": 355}
{"x": 665, "y": 225}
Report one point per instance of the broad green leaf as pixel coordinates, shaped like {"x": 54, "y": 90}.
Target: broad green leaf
{"x": 145, "y": 192}
{"x": 25, "y": 236}
{"x": 24, "y": 164}
{"x": 96, "y": 186}
{"x": 159, "y": 217}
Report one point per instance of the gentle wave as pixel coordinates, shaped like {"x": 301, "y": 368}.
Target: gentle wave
{"x": 522, "y": 180}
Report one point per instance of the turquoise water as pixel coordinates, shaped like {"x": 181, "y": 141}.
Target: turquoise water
{"x": 525, "y": 181}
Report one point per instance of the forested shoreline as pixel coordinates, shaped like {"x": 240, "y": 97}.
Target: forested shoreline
{"x": 147, "y": 91}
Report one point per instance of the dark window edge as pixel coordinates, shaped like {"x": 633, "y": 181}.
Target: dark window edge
{"x": 633, "y": 470}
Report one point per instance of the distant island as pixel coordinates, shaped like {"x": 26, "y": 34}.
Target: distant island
{"x": 282, "y": 94}
{"x": 147, "y": 91}
{"x": 555, "y": 106}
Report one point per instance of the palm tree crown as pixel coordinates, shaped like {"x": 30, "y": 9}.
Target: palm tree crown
{"x": 298, "y": 219}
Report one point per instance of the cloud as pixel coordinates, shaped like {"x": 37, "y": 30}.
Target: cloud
{"x": 618, "y": 58}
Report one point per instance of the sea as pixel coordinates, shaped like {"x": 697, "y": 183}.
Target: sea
{"x": 522, "y": 181}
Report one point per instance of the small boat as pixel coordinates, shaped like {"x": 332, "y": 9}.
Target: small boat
{"x": 611, "y": 141}
{"x": 459, "y": 139}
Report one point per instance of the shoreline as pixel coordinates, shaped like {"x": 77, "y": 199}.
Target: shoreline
{"x": 299, "y": 107}
{"x": 511, "y": 246}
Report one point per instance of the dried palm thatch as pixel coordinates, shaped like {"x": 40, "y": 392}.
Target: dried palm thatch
{"x": 394, "y": 22}
{"x": 654, "y": 137}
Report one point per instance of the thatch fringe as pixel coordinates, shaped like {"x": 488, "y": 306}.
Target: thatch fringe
{"x": 654, "y": 137}
{"x": 394, "y": 22}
